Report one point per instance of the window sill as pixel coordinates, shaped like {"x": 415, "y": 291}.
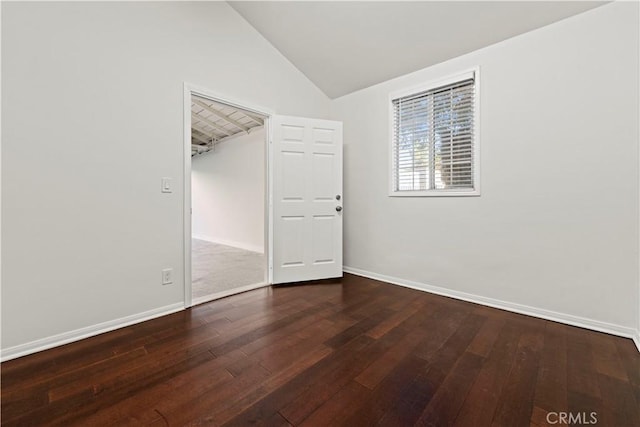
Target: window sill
{"x": 436, "y": 193}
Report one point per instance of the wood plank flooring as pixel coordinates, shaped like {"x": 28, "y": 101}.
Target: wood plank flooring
{"x": 353, "y": 353}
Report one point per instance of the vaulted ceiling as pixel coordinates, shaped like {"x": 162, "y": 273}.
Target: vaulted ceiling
{"x": 346, "y": 46}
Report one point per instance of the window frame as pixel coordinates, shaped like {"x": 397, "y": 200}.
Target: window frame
{"x": 430, "y": 85}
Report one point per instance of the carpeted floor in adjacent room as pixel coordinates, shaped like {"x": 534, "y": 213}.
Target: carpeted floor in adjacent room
{"x": 217, "y": 268}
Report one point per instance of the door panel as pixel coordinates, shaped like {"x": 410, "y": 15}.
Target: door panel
{"x": 307, "y": 228}
{"x": 322, "y": 168}
{"x": 323, "y": 243}
{"x": 292, "y": 168}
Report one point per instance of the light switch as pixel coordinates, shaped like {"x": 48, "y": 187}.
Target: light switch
{"x": 166, "y": 185}
{"x": 167, "y": 276}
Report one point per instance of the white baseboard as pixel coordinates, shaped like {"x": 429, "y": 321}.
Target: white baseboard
{"x": 555, "y": 316}
{"x": 86, "y": 332}
{"x": 89, "y": 331}
{"x": 246, "y": 246}
{"x": 228, "y": 292}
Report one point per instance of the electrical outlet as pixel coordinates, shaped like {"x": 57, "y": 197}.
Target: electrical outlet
{"x": 167, "y": 276}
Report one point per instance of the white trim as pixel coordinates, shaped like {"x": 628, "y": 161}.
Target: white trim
{"x": 229, "y": 292}
{"x": 186, "y": 197}
{"x": 86, "y": 332}
{"x": 569, "y": 319}
{"x": 191, "y": 89}
{"x": 268, "y": 200}
{"x": 435, "y": 193}
{"x": 215, "y": 96}
{"x": 235, "y": 244}
{"x": 636, "y": 338}
{"x": 433, "y": 84}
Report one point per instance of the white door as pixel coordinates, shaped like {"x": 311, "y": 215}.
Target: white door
{"x": 307, "y": 199}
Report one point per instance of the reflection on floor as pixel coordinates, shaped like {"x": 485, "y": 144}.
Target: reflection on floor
{"x": 217, "y": 268}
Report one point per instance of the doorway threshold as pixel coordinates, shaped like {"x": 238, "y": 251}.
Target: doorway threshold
{"x": 228, "y": 292}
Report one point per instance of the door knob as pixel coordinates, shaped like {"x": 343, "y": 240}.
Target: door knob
{"x": 338, "y": 208}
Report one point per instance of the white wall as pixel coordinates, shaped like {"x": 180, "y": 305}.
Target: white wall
{"x": 556, "y": 226}
{"x": 227, "y": 191}
{"x": 92, "y": 119}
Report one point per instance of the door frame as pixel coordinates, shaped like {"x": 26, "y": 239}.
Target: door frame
{"x": 189, "y": 90}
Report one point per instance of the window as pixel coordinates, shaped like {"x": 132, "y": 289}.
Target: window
{"x": 435, "y": 142}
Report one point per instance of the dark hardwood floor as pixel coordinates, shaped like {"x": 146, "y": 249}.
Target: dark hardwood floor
{"x": 355, "y": 353}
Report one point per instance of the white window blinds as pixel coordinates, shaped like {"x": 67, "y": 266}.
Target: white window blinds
{"x": 433, "y": 139}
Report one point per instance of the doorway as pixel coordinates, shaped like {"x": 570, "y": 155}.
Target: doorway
{"x": 227, "y": 227}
